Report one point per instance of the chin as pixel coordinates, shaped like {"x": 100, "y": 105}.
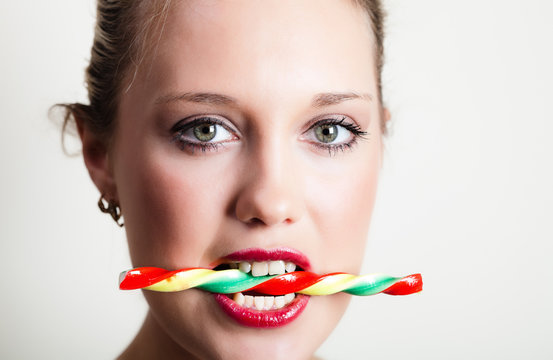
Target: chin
{"x": 200, "y": 326}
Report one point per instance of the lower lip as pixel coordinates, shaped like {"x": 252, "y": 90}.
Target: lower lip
{"x": 266, "y": 318}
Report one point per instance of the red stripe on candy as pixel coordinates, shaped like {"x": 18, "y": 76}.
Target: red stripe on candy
{"x": 408, "y": 285}
{"x": 146, "y": 276}
{"x": 286, "y": 283}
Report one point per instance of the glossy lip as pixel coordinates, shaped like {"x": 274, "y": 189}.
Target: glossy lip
{"x": 265, "y": 318}
{"x": 262, "y": 318}
{"x": 259, "y": 254}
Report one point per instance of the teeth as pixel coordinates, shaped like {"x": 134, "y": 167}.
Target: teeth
{"x": 269, "y": 302}
{"x": 290, "y": 266}
{"x": 259, "y": 302}
{"x": 245, "y": 266}
{"x": 264, "y": 268}
{"x": 239, "y": 298}
{"x": 288, "y": 298}
{"x": 260, "y": 268}
{"x": 279, "y": 302}
{"x": 276, "y": 267}
{"x": 248, "y": 303}
{"x": 263, "y": 302}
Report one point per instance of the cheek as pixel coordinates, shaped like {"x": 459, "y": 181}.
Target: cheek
{"x": 342, "y": 208}
{"x": 171, "y": 208}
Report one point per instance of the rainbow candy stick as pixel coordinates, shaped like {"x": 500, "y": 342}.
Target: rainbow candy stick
{"x": 233, "y": 281}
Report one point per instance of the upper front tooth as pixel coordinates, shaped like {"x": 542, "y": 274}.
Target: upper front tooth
{"x": 260, "y": 268}
{"x": 263, "y": 268}
{"x": 290, "y": 266}
{"x": 276, "y": 267}
{"x": 245, "y": 266}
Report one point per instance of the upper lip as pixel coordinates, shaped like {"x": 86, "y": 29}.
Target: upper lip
{"x": 259, "y": 254}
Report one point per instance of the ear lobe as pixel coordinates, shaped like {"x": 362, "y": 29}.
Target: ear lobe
{"x": 96, "y": 159}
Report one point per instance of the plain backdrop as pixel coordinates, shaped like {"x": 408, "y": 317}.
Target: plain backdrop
{"x": 465, "y": 198}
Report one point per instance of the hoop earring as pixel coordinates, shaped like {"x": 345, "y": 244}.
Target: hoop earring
{"x": 111, "y": 208}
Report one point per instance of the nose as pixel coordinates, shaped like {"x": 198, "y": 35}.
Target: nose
{"x": 271, "y": 189}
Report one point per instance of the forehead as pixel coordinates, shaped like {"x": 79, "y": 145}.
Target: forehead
{"x": 271, "y": 47}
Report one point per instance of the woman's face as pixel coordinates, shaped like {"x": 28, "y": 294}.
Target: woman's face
{"x": 242, "y": 130}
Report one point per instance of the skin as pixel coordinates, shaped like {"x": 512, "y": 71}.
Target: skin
{"x": 268, "y": 186}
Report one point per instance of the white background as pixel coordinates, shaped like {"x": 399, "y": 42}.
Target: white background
{"x": 466, "y": 192}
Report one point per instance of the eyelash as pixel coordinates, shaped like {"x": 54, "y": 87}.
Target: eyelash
{"x": 179, "y": 131}
{"x": 332, "y": 149}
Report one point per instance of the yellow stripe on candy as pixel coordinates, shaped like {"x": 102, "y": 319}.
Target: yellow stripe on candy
{"x": 182, "y": 280}
{"x": 329, "y": 285}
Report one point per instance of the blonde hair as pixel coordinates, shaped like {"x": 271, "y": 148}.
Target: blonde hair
{"x": 122, "y": 39}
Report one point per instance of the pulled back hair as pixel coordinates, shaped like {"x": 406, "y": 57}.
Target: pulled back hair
{"x": 125, "y": 33}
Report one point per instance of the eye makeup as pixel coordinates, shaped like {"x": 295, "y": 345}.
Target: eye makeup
{"x": 204, "y": 133}
{"x": 339, "y": 125}
{"x": 208, "y": 134}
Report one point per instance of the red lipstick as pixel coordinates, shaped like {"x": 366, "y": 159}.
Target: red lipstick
{"x": 251, "y": 317}
{"x": 282, "y": 253}
{"x": 263, "y": 318}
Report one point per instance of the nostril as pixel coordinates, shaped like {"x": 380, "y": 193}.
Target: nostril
{"x": 256, "y": 221}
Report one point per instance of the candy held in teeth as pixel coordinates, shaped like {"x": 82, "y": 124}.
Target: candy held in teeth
{"x": 235, "y": 281}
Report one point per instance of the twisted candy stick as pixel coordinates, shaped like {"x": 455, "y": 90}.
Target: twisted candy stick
{"x": 233, "y": 281}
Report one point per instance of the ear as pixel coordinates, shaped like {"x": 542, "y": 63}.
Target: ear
{"x": 97, "y": 160}
{"x": 387, "y": 115}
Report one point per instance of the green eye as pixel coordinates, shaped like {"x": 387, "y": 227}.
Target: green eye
{"x": 326, "y": 133}
{"x": 205, "y": 132}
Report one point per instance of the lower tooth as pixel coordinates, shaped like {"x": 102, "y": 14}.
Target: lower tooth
{"x": 269, "y": 302}
{"x": 263, "y": 302}
{"x": 279, "y": 302}
{"x": 289, "y": 297}
{"x": 259, "y": 302}
{"x": 239, "y": 298}
{"x": 248, "y": 301}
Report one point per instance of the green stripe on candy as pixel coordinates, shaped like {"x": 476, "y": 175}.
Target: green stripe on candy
{"x": 231, "y": 281}
{"x": 370, "y": 284}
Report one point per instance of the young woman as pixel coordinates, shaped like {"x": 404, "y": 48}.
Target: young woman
{"x": 236, "y": 133}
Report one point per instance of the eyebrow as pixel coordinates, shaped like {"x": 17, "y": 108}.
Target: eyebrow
{"x": 327, "y": 99}
{"x": 319, "y": 100}
{"x": 198, "y": 97}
